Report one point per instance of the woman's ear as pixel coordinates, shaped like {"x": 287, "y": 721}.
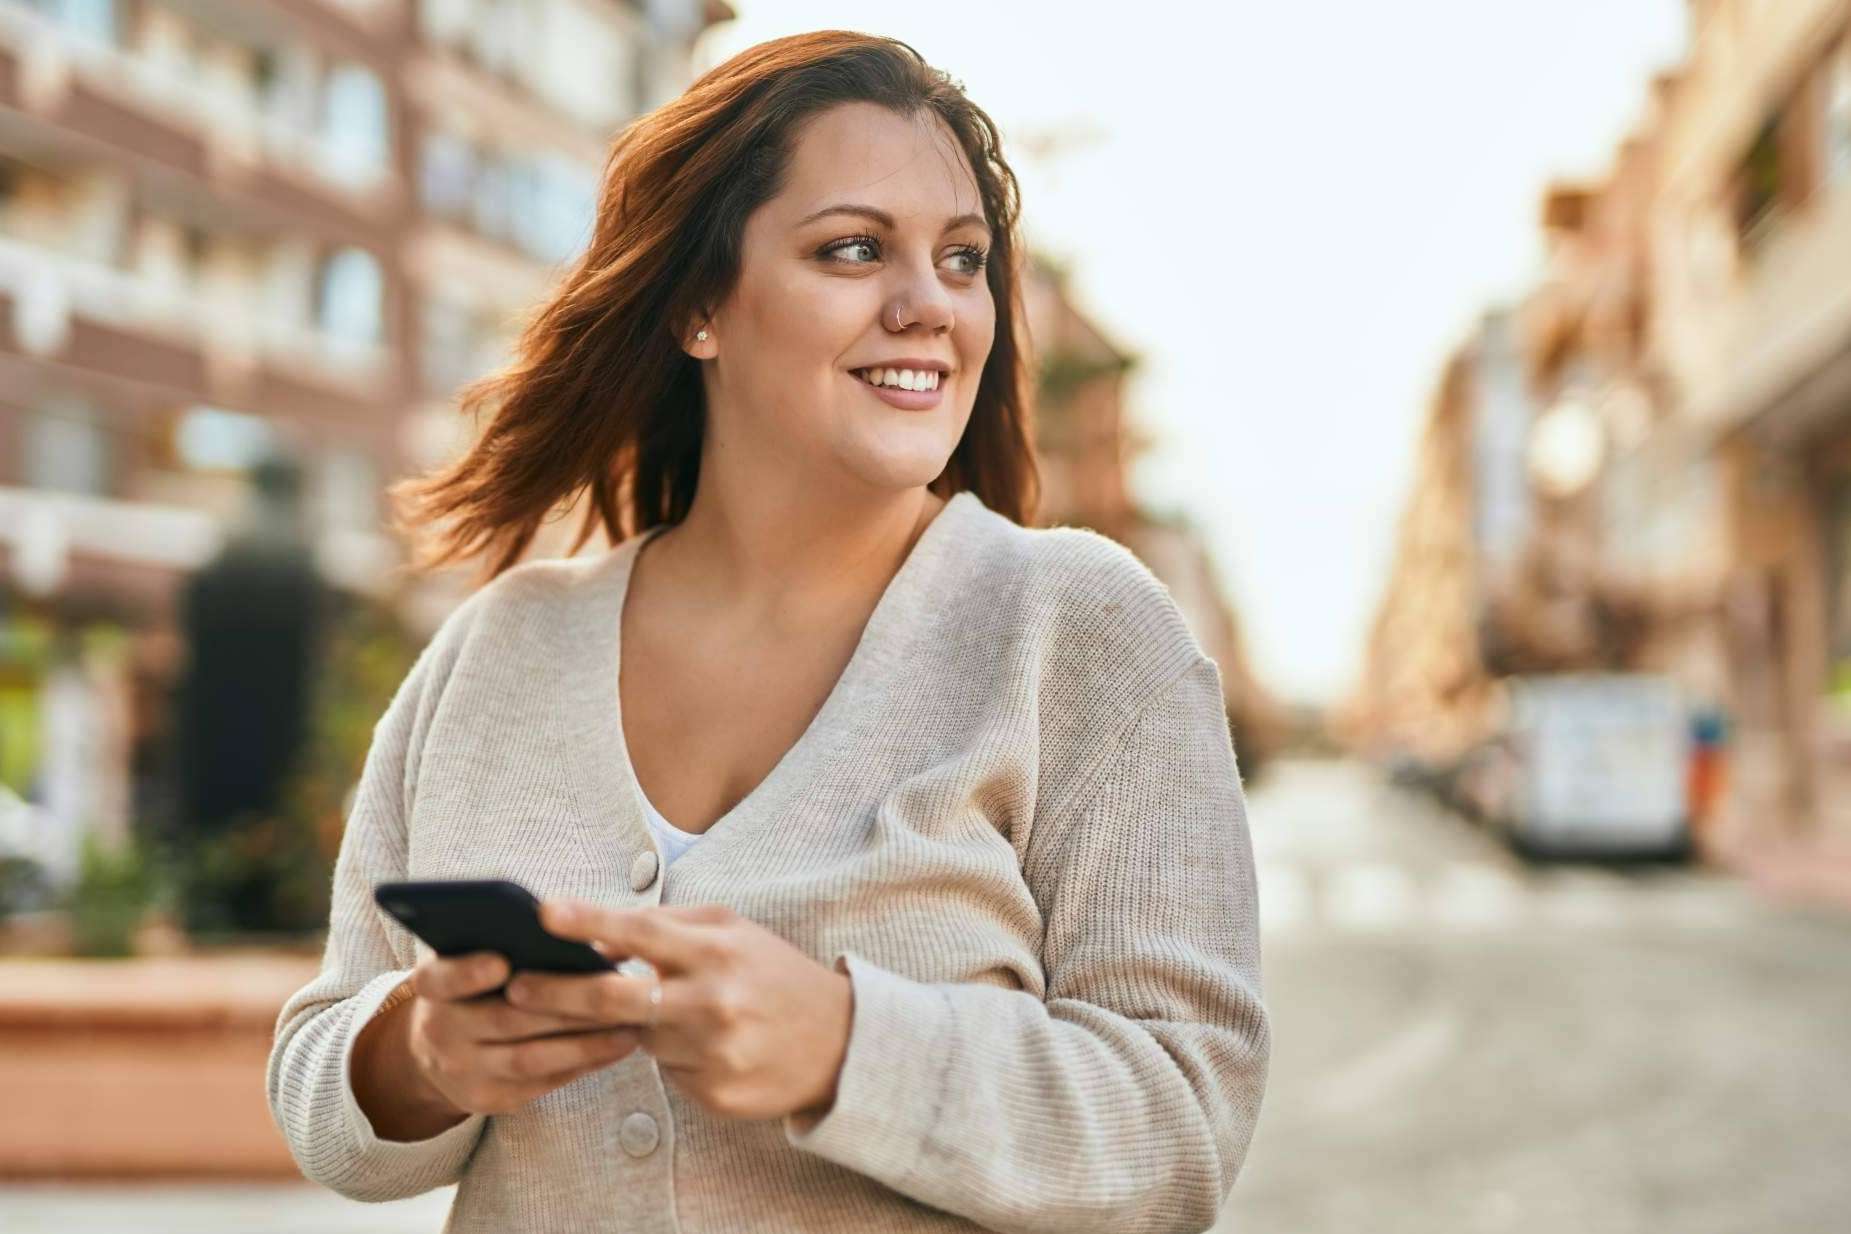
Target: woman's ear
{"x": 699, "y": 340}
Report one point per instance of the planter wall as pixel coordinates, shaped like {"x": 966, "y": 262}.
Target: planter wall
{"x": 142, "y": 1068}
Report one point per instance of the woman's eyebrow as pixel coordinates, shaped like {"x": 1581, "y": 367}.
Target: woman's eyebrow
{"x": 886, "y": 220}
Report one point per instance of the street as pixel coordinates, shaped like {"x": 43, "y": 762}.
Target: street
{"x": 1461, "y": 1044}
{"x": 1464, "y": 1045}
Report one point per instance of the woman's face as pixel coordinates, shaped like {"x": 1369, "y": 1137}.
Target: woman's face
{"x": 870, "y": 258}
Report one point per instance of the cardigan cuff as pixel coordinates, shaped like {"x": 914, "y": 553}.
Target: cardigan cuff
{"x": 893, "y": 1076}
{"x": 438, "y": 1157}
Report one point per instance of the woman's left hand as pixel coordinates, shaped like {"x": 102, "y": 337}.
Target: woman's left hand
{"x": 749, "y": 1026}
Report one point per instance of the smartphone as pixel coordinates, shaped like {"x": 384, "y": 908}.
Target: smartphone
{"x": 459, "y": 916}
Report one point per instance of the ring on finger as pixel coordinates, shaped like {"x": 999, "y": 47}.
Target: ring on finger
{"x": 636, "y": 966}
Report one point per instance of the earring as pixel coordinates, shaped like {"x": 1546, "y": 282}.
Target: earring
{"x": 701, "y": 337}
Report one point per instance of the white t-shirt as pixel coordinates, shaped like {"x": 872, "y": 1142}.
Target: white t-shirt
{"x": 672, "y": 840}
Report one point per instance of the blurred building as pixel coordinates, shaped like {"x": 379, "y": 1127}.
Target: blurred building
{"x": 1656, "y": 475}
{"x": 1752, "y": 247}
{"x": 235, "y": 226}
{"x": 1086, "y": 446}
{"x": 1425, "y": 692}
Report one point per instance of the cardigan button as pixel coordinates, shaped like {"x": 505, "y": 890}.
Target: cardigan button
{"x": 643, "y": 870}
{"x": 638, "y": 1135}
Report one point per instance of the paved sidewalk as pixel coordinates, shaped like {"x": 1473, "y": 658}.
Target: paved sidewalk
{"x": 1818, "y": 876}
{"x": 211, "y": 1208}
{"x": 1791, "y": 871}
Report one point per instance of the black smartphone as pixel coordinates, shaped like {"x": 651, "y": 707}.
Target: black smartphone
{"x": 459, "y": 916}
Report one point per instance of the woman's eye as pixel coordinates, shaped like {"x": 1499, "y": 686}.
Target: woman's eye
{"x": 854, "y": 246}
{"x": 865, "y": 250}
{"x": 973, "y": 256}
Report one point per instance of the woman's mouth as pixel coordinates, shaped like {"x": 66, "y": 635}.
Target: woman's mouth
{"x": 910, "y": 389}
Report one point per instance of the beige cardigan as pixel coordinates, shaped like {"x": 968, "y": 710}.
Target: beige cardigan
{"x": 1016, "y": 824}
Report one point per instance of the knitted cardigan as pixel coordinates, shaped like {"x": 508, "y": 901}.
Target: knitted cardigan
{"x": 1016, "y": 824}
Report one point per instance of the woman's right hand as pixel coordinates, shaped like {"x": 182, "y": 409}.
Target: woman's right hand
{"x": 476, "y": 1054}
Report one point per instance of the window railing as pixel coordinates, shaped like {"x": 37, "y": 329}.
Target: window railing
{"x": 146, "y": 85}
{"x": 35, "y": 276}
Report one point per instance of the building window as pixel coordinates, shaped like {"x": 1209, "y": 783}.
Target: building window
{"x": 583, "y": 61}
{"x": 445, "y": 22}
{"x": 458, "y": 342}
{"x": 211, "y": 439}
{"x": 501, "y": 34}
{"x": 354, "y": 125}
{"x": 92, "y": 20}
{"x": 1758, "y": 186}
{"x": 541, "y": 203}
{"x": 347, "y": 490}
{"x": 446, "y": 174}
{"x": 554, "y": 199}
{"x": 1838, "y": 566}
{"x": 67, "y": 449}
{"x": 350, "y": 294}
{"x": 1838, "y": 117}
{"x": 489, "y": 207}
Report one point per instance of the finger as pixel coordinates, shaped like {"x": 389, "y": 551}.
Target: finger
{"x": 453, "y": 978}
{"x": 532, "y": 1060}
{"x": 674, "y": 1049}
{"x": 613, "y": 998}
{"x": 559, "y": 1079}
{"x": 492, "y": 1019}
{"x": 665, "y": 939}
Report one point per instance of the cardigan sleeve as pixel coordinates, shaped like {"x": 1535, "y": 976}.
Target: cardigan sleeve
{"x": 368, "y": 955}
{"x": 1126, "y": 1100}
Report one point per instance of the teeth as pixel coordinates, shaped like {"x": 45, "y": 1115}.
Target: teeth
{"x": 905, "y": 379}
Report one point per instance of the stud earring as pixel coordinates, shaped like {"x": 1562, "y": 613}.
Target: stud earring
{"x": 701, "y": 337}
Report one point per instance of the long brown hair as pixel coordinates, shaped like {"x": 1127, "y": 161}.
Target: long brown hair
{"x": 600, "y": 393}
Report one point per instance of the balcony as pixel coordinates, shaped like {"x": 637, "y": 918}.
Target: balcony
{"x": 140, "y": 329}
{"x": 80, "y": 534}
{"x": 72, "y": 93}
{"x": 1788, "y": 318}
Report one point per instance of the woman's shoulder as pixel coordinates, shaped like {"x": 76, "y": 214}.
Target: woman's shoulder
{"x": 504, "y": 609}
{"x": 1092, "y": 606}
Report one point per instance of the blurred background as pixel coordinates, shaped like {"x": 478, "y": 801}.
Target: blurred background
{"x": 1476, "y": 374}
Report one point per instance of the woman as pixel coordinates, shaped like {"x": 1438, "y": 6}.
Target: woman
{"x": 960, "y": 931}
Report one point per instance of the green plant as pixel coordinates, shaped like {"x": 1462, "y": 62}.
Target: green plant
{"x": 114, "y": 887}
{"x": 1840, "y": 688}
{"x": 23, "y": 886}
{"x": 1065, "y": 371}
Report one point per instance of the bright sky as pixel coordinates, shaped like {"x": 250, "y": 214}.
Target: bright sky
{"x": 1290, "y": 211}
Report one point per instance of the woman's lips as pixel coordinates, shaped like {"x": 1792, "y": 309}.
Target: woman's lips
{"x": 907, "y": 400}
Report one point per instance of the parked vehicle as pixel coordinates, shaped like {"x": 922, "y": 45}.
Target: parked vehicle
{"x": 1602, "y": 766}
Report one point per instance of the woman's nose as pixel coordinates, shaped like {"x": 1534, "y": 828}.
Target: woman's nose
{"x": 933, "y": 313}
{"x": 921, "y": 302}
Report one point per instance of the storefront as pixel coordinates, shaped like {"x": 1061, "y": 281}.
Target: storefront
{"x": 1788, "y": 613}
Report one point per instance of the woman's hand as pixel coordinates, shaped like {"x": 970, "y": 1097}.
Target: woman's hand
{"x": 749, "y": 1026}
{"x": 476, "y": 1054}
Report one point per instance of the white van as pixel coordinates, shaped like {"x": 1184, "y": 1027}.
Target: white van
{"x": 1603, "y": 766}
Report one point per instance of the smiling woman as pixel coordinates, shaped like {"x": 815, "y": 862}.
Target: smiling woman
{"x": 961, "y": 927}
{"x": 818, "y": 205}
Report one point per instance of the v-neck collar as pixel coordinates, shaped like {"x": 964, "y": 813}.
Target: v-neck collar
{"x": 602, "y": 760}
